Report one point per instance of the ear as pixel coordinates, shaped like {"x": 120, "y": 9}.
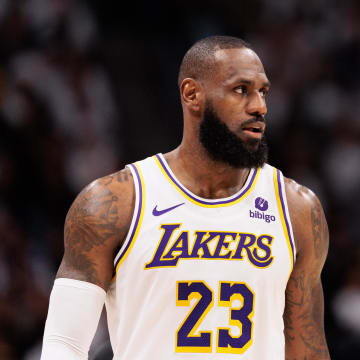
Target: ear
{"x": 191, "y": 94}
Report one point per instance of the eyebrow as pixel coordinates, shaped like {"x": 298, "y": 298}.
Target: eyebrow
{"x": 245, "y": 81}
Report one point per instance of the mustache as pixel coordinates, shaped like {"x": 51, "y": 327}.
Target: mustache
{"x": 258, "y": 118}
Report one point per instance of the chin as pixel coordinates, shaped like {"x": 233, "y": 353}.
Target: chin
{"x": 252, "y": 145}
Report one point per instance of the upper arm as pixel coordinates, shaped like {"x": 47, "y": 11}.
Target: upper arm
{"x": 95, "y": 227}
{"x": 304, "y": 308}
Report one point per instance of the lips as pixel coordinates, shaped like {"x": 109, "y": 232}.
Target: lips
{"x": 256, "y": 127}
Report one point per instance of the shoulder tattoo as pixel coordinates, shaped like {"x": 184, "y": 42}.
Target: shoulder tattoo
{"x": 120, "y": 176}
{"x": 92, "y": 221}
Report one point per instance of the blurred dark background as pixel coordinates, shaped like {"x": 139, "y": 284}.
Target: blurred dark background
{"x": 89, "y": 86}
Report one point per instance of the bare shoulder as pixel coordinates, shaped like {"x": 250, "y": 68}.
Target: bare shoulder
{"x": 307, "y": 217}
{"x": 105, "y": 205}
{"x": 98, "y": 197}
{"x": 95, "y": 227}
{"x": 299, "y": 197}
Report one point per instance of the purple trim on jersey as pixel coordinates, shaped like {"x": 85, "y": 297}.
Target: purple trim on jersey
{"x": 137, "y": 215}
{"x": 284, "y": 212}
{"x": 203, "y": 201}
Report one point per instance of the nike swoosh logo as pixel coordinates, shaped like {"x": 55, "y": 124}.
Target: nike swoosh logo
{"x": 157, "y": 212}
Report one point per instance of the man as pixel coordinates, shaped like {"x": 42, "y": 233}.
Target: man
{"x": 205, "y": 252}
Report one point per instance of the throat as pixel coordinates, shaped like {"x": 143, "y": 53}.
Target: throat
{"x": 206, "y": 178}
{"x": 219, "y": 189}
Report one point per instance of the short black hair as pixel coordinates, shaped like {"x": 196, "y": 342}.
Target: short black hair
{"x": 199, "y": 59}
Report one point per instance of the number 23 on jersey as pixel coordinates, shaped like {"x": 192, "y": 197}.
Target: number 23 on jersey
{"x": 187, "y": 341}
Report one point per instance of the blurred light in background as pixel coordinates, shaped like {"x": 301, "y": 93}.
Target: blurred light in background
{"x": 85, "y": 89}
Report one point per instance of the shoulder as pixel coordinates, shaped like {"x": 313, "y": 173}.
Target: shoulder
{"x": 307, "y": 217}
{"x": 95, "y": 228}
{"x": 103, "y": 209}
{"x": 300, "y": 198}
{"x": 115, "y": 188}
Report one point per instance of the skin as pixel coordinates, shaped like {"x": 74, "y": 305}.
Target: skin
{"x": 99, "y": 218}
{"x": 95, "y": 227}
{"x": 304, "y": 309}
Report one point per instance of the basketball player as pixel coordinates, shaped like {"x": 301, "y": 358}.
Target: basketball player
{"x": 206, "y": 252}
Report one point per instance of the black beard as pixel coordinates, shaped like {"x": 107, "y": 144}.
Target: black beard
{"x": 225, "y": 146}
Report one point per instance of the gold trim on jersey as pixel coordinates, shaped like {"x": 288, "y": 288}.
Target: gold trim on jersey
{"x": 140, "y": 213}
{"x": 208, "y": 204}
{"x": 277, "y": 181}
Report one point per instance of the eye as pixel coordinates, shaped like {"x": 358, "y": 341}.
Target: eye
{"x": 241, "y": 89}
{"x": 264, "y": 92}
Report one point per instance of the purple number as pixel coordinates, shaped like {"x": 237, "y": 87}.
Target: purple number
{"x": 229, "y": 292}
{"x": 186, "y": 341}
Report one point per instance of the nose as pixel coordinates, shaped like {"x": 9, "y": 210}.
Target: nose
{"x": 256, "y": 104}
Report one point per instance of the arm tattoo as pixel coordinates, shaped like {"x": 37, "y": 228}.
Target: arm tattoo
{"x": 293, "y": 302}
{"x": 91, "y": 221}
{"x": 312, "y": 319}
{"x": 317, "y": 228}
{"x": 303, "y": 315}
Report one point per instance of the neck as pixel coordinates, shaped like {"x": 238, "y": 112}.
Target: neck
{"x": 203, "y": 176}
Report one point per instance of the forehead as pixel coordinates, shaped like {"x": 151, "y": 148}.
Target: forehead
{"x": 233, "y": 63}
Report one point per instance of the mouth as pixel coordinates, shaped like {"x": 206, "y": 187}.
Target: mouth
{"x": 255, "y": 128}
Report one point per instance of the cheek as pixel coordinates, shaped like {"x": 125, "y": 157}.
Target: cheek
{"x": 233, "y": 116}
{"x": 229, "y": 107}
{"x": 230, "y": 103}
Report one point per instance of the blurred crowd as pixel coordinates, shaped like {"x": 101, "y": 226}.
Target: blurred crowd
{"x": 85, "y": 89}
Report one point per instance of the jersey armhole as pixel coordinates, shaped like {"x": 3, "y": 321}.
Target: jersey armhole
{"x": 284, "y": 213}
{"x": 136, "y": 218}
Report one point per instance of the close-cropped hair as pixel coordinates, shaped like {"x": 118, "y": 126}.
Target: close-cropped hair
{"x": 199, "y": 60}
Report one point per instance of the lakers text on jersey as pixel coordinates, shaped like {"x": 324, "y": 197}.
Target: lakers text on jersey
{"x": 202, "y": 278}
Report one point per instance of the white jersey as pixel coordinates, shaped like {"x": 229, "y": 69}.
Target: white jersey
{"x": 202, "y": 278}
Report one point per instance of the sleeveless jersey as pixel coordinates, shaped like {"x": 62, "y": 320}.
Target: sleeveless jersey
{"x": 202, "y": 278}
